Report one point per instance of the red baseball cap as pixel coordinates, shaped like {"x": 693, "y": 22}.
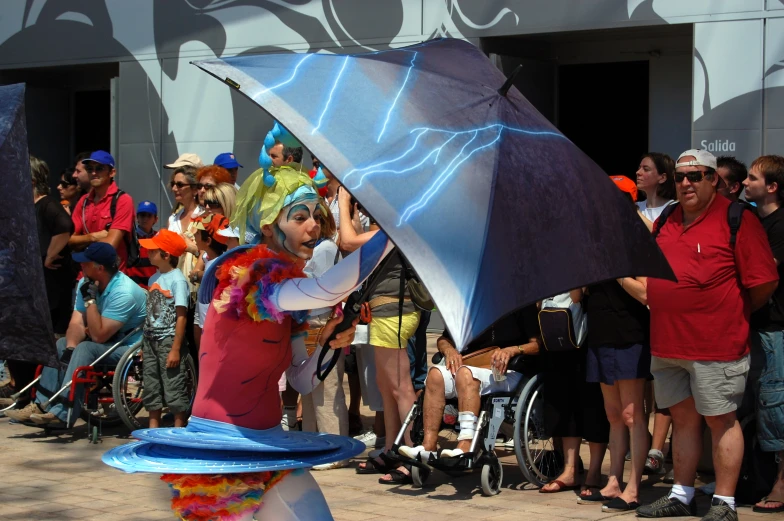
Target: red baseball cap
{"x": 625, "y": 184}
{"x": 167, "y": 241}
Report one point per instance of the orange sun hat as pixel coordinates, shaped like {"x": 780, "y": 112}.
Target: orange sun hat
{"x": 167, "y": 241}
{"x": 626, "y": 185}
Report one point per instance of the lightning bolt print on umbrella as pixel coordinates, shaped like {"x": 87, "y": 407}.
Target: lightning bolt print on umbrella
{"x": 490, "y": 203}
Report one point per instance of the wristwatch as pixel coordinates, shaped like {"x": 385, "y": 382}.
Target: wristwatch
{"x": 89, "y": 303}
{"x": 520, "y": 348}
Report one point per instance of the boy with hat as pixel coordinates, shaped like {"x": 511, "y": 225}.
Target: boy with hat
{"x": 230, "y": 163}
{"x": 146, "y": 217}
{"x": 164, "y": 330}
{"x": 213, "y": 244}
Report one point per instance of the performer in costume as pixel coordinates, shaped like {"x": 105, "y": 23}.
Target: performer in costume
{"x": 233, "y": 460}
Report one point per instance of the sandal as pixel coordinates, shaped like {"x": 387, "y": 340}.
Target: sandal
{"x": 594, "y": 497}
{"x": 771, "y": 510}
{"x": 562, "y": 487}
{"x": 398, "y": 478}
{"x": 372, "y": 466}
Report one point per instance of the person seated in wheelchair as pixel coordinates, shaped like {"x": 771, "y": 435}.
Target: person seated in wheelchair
{"x": 108, "y": 306}
{"x": 456, "y": 376}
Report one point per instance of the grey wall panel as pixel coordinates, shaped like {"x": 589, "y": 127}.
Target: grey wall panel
{"x": 774, "y": 141}
{"x": 774, "y": 77}
{"x": 140, "y": 105}
{"x": 728, "y": 75}
{"x": 138, "y": 174}
{"x": 669, "y": 115}
{"x": 775, "y": 5}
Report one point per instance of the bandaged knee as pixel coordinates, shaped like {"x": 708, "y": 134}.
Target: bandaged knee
{"x": 467, "y": 421}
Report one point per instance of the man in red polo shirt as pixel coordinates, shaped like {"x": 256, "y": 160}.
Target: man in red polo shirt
{"x": 92, "y": 217}
{"x": 700, "y": 331}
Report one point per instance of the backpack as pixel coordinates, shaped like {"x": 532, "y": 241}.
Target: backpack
{"x": 734, "y": 219}
{"x": 132, "y": 241}
{"x": 563, "y": 323}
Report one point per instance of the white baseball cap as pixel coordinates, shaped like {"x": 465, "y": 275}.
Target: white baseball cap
{"x": 701, "y": 158}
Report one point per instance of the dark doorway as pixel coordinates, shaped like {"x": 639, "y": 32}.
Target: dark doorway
{"x": 92, "y": 120}
{"x": 603, "y": 109}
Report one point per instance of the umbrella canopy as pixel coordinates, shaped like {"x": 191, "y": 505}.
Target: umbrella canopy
{"x": 25, "y": 326}
{"x": 490, "y": 203}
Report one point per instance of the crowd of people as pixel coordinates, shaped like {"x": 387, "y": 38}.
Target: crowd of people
{"x": 706, "y": 349}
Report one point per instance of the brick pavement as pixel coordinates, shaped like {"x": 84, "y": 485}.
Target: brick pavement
{"x": 61, "y": 477}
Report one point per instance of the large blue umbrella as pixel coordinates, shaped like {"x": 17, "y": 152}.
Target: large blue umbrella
{"x": 490, "y": 203}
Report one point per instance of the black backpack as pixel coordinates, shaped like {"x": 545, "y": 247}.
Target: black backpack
{"x": 132, "y": 241}
{"x": 734, "y": 218}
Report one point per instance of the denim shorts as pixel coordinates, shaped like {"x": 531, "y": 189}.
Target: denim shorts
{"x": 769, "y": 389}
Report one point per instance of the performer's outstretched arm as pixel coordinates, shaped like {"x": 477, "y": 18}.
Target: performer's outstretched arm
{"x": 337, "y": 282}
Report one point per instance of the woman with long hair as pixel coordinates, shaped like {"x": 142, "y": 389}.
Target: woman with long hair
{"x": 69, "y": 190}
{"x": 655, "y": 178}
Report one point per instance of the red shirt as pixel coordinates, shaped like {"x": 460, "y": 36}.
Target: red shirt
{"x": 705, "y": 315}
{"x": 92, "y": 216}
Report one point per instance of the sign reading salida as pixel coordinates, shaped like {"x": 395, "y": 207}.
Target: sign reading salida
{"x": 718, "y": 145}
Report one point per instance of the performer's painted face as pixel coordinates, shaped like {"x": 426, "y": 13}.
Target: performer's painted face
{"x": 298, "y": 227}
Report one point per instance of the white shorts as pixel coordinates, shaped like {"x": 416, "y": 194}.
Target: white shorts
{"x": 487, "y": 384}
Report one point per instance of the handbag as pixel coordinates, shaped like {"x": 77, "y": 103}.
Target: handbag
{"x": 562, "y": 323}
{"x": 481, "y": 358}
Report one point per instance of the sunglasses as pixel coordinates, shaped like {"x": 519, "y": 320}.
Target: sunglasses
{"x": 205, "y": 186}
{"x": 179, "y": 184}
{"x": 212, "y": 204}
{"x": 695, "y": 176}
{"x": 65, "y": 183}
{"x": 96, "y": 168}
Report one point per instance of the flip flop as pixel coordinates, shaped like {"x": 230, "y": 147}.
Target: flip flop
{"x": 619, "y": 505}
{"x": 772, "y": 510}
{"x": 398, "y": 478}
{"x": 562, "y": 487}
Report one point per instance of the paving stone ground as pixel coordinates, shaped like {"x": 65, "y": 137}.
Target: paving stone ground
{"x": 61, "y": 477}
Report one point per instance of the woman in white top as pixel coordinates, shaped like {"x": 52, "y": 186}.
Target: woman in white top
{"x": 655, "y": 178}
{"x": 183, "y": 185}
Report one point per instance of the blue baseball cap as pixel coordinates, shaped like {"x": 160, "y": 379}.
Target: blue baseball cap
{"x": 147, "y": 207}
{"x": 99, "y": 252}
{"x": 227, "y": 160}
{"x": 102, "y": 157}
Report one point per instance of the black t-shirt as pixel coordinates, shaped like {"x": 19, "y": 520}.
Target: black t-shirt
{"x": 771, "y": 316}
{"x": 52, "y": 219}
{"x": 615, "y": 318}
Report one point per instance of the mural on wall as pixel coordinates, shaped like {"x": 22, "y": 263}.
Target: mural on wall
{"x": 167, "y": 107}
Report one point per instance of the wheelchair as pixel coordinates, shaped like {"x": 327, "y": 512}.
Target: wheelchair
{"x": 522, "y": 410}
{"x": 112, "y": 395}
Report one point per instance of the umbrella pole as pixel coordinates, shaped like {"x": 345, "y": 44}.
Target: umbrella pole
{"x": 508, "y": 83}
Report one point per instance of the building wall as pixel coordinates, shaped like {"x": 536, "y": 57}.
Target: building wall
{"x": 167, "y": 106}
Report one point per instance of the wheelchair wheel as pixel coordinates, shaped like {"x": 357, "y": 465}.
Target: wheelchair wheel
{"x": 492, "y": 476}
{"x": 419, "y": 476}
{"x": 534, "y": 448}
{"x": 129, "y": 386}
{"x": 100, "y": 407}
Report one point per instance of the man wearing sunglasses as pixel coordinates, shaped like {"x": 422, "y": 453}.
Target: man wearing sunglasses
{"x": 92, "y": 217}
{"x": 700, "y": 330}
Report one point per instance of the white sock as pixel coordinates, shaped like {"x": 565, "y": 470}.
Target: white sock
{"x": 682, "y": 493}
{"x": 729, "y": 500}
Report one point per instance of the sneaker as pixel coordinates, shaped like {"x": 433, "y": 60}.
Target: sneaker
{"x": 655, "y": 462}
{"x": 40, "y": 418}
{"x": 330, "y": 466}
{"x": 720, "y": 511}
{"x": 369, "y": 438}
{"x": 669, "y": 478}
{"x": 668, "y": 507}
{"x": 23, "y": 415}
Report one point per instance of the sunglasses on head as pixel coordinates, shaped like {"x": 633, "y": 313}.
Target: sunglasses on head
{"x": 206, "y": 186}
{"x": 695, "y": 176}
{"x": 179, "y": 184}
{"x": 96, "y": 168}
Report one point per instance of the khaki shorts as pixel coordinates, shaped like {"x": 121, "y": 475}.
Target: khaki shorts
{"x": 717, "y": 387}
